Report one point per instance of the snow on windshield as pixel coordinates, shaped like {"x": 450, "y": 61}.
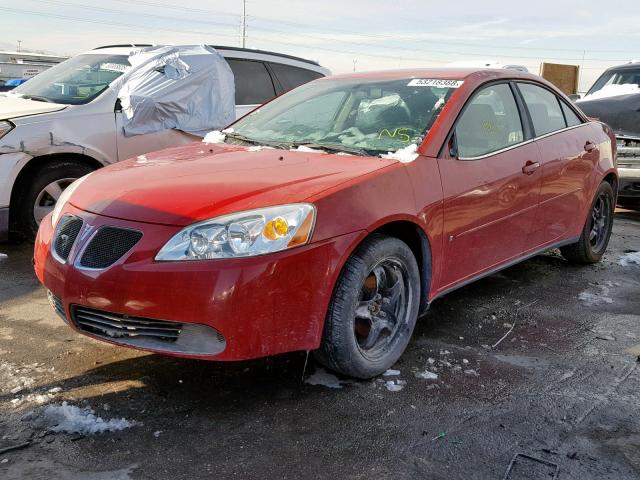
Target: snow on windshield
{"x": 370, "y": 117}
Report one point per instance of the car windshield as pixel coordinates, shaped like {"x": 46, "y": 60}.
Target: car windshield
{"x": 75, "y": 81}
{"x": 617, "y": 82}
{"x": 355, "y": 115}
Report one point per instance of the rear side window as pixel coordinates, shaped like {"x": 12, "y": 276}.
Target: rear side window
{"x": 490, "y": 122}
{"x": 570, "y": 116}
{"x": 253, "y": 82}
{"x": 544, "y": 108}
{"x": 292, "y": 77}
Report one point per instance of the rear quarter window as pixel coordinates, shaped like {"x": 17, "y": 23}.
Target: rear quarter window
{"x": 253, "y": 82}
{"x": 570, "y": 116}
{"x": 292, "y": 77}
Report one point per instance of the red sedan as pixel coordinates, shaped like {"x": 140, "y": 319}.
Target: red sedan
{"x": 330, "y": 218}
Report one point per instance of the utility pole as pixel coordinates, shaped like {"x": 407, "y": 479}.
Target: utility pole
{"x": 355, "y": 60}
{"x": 19, "y": 44}
{"x": 244, "y": 23}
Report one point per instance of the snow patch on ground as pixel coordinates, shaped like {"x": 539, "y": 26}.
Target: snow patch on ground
{"x": 21, "y": 381}
{"x": 395, "y": 385}
{"x": 323, "y": 378}
{"x": 591, "y": 299}
{"x": 215, "y": 136}
{"x": 628, "y": 259}
{"x": 614, "y": 91}
{"x": 427, "y": 375}
{"x": 405, "y": 155}
{"x": 3, "y": 255}
{"x": 72, "y": 419}
{"x": 391, "y": 373}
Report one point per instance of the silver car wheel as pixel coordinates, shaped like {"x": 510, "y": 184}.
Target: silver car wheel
{"x": 48, "y": 196}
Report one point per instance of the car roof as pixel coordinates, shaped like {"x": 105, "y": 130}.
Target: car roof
{"x": 227, "y": 52}
{"x": 626, "y": 66}
{"x": 448, "y": 73}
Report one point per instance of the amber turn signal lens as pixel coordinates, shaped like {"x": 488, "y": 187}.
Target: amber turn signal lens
{"x": 304, "y": 232}
{"x": 276, "y": 228}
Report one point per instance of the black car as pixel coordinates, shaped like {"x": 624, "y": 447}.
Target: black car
{"x": 615, "y": 99}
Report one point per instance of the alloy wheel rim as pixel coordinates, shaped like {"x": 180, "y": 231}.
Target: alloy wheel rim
{"x": 382, "y": 308}
{"x": 48, "y": 196}
{"x": 600, "y": 219}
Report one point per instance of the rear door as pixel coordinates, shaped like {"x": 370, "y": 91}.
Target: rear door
{"x": 254, "y": 85}
{"x": 490, "y": 183}
{"x": 568, "y": 154}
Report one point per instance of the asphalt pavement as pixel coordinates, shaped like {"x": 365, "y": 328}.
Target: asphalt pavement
{"x": 537, "y": 364}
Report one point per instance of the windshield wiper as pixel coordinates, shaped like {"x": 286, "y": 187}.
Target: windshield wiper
{"x": 242, "y": 138}
{"x": 332, "y": 148}
{"x": 37, "y": 98}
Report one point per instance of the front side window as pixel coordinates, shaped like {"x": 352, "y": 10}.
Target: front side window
{"x": 253, "y": 82}
{"x": 365, "y": 116}
{"x": 490, "y": 122}
{"x": 75, "y": 81}
{"x": 544, "y": 109}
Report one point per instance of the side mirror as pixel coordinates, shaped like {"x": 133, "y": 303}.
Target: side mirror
{"x": 575, "y": 96}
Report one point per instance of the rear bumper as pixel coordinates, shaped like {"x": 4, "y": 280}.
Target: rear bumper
{"x": 628, "y": 182}
{"x": 259, "y": 305}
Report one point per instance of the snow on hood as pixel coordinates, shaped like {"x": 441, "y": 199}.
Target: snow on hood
{"x": 613, "y": 91}
{"x": 13, "y": 106}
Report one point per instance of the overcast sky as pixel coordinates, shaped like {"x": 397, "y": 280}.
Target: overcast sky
{"x": 373, "y": 34}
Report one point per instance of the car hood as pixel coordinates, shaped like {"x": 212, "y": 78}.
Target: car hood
{"x": 621, "y": 113}
{"x": 186, "y": 184}
{"x": 12, "y": 106}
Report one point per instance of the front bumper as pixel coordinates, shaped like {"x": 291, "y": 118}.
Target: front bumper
{"x": 260, "y": 306}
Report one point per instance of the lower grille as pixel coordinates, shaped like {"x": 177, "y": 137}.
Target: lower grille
{"x": 120, "y": 326}
{"x": 109, "y": 245}
{"x": 66, "y": 233}
{"x": 149, "y": 334}
{"x": 57, "y": 304}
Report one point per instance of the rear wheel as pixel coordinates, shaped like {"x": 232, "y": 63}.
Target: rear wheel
{"x": 43, "y": 190}
{"x": 597, "y": 229}
{"x": 373, "y": 309}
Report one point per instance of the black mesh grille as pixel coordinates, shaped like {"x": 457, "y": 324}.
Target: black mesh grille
{"x": 66, "y": 233}
{"x": 108, "y": 246}
{"x": 116, "y": 326}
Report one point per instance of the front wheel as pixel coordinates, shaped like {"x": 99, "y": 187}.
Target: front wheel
{"x": 594, "y": 239}
{"x": 373, "y": 309}
{"x": 43, "y": 190}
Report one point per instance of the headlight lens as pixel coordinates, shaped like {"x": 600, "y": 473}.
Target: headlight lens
{"x": 243, "y": 234}
{"x": 5, "y": 127}
{"x": 64, "y": 198}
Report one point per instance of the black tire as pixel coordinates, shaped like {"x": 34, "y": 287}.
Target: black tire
{"x": 589, "y": 248}
{"x": 381, "y": 279}
{"x": 48, "y": 173}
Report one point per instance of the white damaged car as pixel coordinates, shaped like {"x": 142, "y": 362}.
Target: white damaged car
{"x": 116, "y": 102}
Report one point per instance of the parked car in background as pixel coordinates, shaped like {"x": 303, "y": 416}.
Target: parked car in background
{"x": 614, "y": 99}
{"x": 11, "y": 84}
{"x": 67, "y": 122}
{"x": 330, "y": 217}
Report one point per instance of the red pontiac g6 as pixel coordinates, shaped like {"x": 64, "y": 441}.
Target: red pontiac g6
{"x": 298, "y": 230}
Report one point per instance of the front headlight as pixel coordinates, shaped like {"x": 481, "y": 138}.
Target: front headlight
{"x": 5, "y": 127}
{"x": 64, "y": 198}
{"x": 243, "y": 234}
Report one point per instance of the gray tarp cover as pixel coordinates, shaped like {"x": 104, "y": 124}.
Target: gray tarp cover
{"x": 186, "y": 87}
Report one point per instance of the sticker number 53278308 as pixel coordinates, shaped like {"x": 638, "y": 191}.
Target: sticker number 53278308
{"x": 435, "y": 82}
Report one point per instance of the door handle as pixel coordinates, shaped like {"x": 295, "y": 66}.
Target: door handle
{"x": 589, "y": 146}
{"x": 530, "y": 167}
